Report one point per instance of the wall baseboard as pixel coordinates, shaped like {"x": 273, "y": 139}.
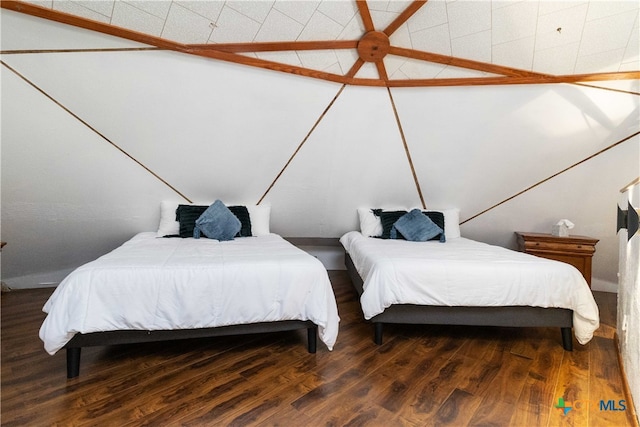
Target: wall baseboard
{"x": 603, "y": 285}
{"x": 49, "y": 279}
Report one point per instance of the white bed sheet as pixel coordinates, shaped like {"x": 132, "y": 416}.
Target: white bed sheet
{"x": 464, "y": 272}
{"x": 152, "y": 283}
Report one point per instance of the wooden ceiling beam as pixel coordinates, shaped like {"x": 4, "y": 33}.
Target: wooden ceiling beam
{"x": 462, "y": 63}
{"x": 225, "y": 52}
{"x": 277, "y": 46}
{"x": 404, "y": 16}
{"x": 365, "y": 15}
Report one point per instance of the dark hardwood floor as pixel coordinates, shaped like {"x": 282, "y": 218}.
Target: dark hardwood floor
{"x": 433, "y": 375}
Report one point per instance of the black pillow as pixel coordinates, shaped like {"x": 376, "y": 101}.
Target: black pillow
{"x": 436, "y": 217}
{"x": 187, "y": 215}
{"x": 388, "y": 218}
{"x": 242, "y": 213}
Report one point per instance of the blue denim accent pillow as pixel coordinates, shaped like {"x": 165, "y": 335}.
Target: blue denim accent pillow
{"x": 217, "y": 222}
{"x": 416, "y": 227}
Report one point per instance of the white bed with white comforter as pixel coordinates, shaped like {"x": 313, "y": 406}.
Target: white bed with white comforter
{"x": 151, "y": 283}
{"x": 464, "y": 272}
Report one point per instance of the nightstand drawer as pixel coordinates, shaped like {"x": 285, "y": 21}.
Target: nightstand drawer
{"x": 568, "y": 247}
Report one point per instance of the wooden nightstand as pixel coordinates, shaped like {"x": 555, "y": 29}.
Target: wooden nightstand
{"x": 574, "y": 250}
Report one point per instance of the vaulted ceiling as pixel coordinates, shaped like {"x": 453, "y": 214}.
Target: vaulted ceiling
{"x": 382, "y": 43}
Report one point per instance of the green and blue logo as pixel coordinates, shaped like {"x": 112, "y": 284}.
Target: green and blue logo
{"x": 563, "y": 406}
{"x": 603, "y": 405}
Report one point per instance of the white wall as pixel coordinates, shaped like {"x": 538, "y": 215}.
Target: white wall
{"x": 628, "y": 322}
{"x": 217, "y": 130}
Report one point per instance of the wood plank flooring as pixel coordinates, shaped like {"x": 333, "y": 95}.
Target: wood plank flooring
{"x": 422, "y": 375}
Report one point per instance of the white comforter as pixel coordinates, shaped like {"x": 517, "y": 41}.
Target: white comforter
{"x": 463, "y": 272}
{"x": 152, "y": 283}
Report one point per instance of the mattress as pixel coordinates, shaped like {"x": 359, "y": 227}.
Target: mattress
{"x": 464, "y": 272}
{"x": 152, "y": 283}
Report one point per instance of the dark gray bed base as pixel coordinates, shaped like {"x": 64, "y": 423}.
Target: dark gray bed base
{"x": 511, "y": 316}
{"x": 74, "y": 346}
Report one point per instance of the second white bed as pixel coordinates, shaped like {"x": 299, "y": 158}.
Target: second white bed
{"x": 464, "y": 272}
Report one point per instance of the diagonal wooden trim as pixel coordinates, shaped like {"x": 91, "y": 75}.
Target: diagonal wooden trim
{"x": 277, "y": 46}
{"x": 363, "y": 8}
{"x": 315, "y": 125}
{"x": 94, "y": 130}
{"x": 608, "y": 88}
{"x": 114, "y": 49}
{"x": 631, "y": 184}
{"x": 406, "y": 150}
{"x": 404, "y": 16}
{"x": 615, "y": 144}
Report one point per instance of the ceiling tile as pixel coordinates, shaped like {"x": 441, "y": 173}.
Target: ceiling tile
{"x": 450, "y": 72}
{"x": 79, "y": 9}
{"x": 318, "y": 59}
{"x": 382, "y": 19}
{"x": 516, "y": 21}
{"x": 301, "y": 11}
{"x": 598, "y": 37}
{"x": 209, "y": 9}
{"x": 256, "y": 10}
{"x": 185, "y": 26}
{"x": 278, "y": 27}
{"x": 415, "y": 69}
{"x": 434, "y": 40}
{"x": 468, "y": 17}
{"x": 392, "y": 64}
{"x": 401, "y": 37}
{"x": 398, "y": 5}
{"x": 346, "y": 59}
{"x": 286, "y": 57}
{"x": 340, "y": 11}
{"x": 632, "y": 53}
{"x": 321, "y": 27}
{"x": 127, "y": 16}
{"x": 475, "y": 46}
{"x": 103, "y": 7}
{"x": 603, "y": 9}
{"x": 159, "y": 8}
{"x": 353, "y": 30}
{"x": 546, "y": 7}
{"x": 368, "y": 71}
{"x": 607, "y": 61}
{"x": 571, "y": 24}
{"x": 516, "y": 54}
{"x": 432, "y": 14}
{"x": 234, "y": 27}
{"x": 556, "y": 60}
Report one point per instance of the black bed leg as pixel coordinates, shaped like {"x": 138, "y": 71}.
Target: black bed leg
{"x": 312, "y": 334}
{"x": 567, "y": 339}
{"x": 73, "y": 362}
{"x": 377, "y": 333}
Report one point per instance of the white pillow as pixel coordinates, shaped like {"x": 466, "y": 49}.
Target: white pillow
{"x": 258, "y": 214}
{"x": 371, "y": 226}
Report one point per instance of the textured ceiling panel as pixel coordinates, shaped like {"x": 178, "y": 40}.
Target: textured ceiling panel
{"x": 529, "y": 39}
